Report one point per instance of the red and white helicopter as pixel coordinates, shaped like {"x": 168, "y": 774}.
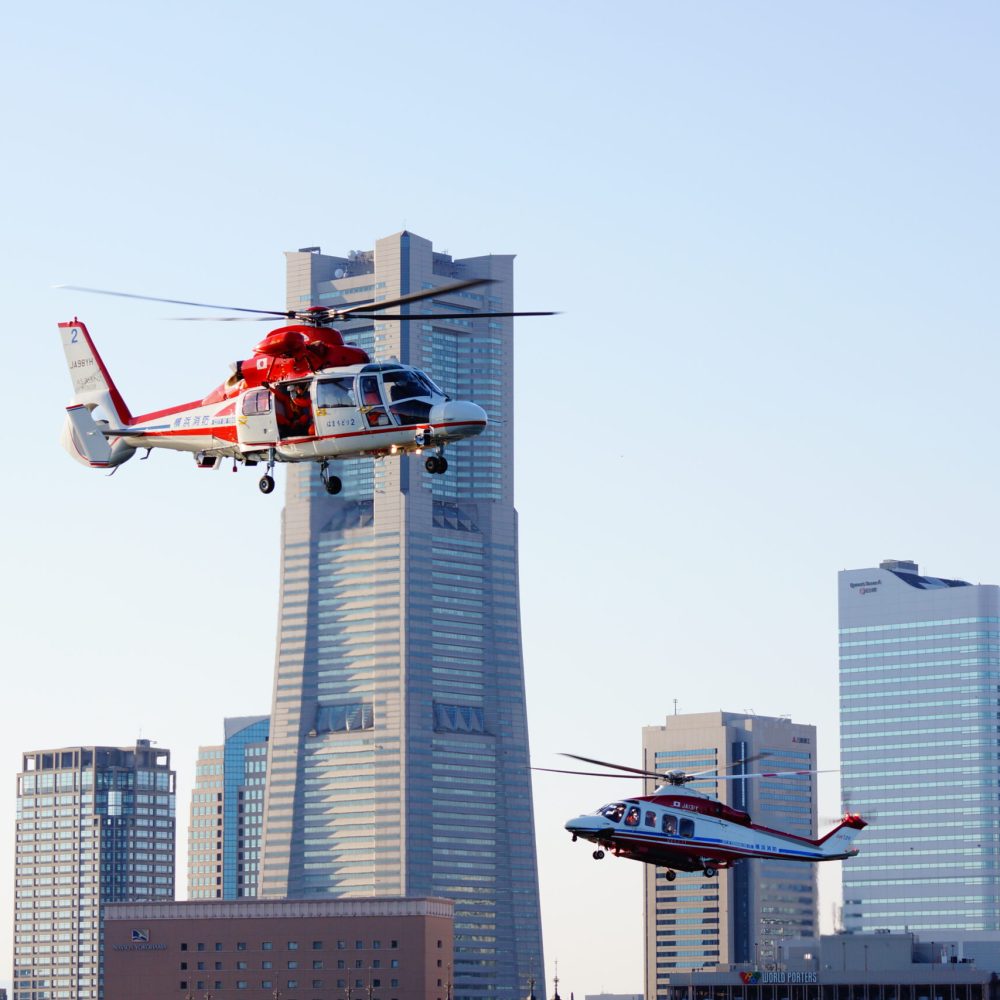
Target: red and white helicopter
{"x": 682, "y": 829}
{"x": 303, "y": 396}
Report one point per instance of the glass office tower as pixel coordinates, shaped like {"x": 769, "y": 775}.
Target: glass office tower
{"x": 746, "y": 912}
{"x": 399, "y": 745}
{"x": 95, "y": 825}
{"x": 227, "y": 812}
{"x": 920, "y": 749}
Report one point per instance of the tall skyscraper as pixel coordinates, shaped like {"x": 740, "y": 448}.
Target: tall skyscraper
{"x": 399, "y": 745}
{"x": 94, "y": 825}
{"x": 742, "y": 914}
{"x": 227, "y": 812}
{"x": 920, "y": 749}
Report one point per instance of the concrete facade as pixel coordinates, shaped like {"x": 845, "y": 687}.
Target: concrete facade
{"x": 919, "y": 674}
{"x": 386, "y": 949}
{"x": 745, "y": 912}
{"x": 399, "y": 745}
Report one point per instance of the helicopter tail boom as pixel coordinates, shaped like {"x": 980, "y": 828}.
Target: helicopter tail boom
{"x": 837, "y": 843}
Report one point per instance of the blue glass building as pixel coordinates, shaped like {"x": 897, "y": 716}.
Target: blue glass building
{"x": 227, "y": 812}
{"x": 399, "y": 743}
{"x": 920, "y": 749}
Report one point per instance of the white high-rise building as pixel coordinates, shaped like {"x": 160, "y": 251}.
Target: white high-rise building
{"x": 95, "y": 825}
{"x": 744, "y": 913}
{"x": 398, "y": 760}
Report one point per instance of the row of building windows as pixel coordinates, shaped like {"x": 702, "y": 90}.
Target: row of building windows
{"x": 341, "y": 945}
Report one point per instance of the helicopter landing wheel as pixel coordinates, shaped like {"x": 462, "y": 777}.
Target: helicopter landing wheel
{"x": 710, "y": 872}
{"x": 671, "y": 875}
{"x": 442, "y": 465}
{"x": 266, "y": 484}
{"x": 431, "y": 464}
{"x": 598, "y": 855}
{"x": 333, "y": 485}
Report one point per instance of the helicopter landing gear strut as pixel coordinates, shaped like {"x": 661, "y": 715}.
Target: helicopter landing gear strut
{"x": 436, "y": 464}
{"x": 332, "y": 483}
{"x": 266, "y": 484}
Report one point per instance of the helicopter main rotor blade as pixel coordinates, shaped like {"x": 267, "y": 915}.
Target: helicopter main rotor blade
{"x": 475, "y": 315}
{"x": 735, "y": 763}
{"x": 762, "y": 774}
{"x": 618, "y": 767}
{"x": 592, "y": 774}
{"x": 426, "y": 293}
{"x": 177, "y": 302}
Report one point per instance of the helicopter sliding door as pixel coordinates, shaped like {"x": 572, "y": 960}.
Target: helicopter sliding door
{"x": 255, "y": 424}
{"x": 336, "y": 406}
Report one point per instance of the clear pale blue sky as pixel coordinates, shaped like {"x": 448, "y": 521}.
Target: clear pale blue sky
{"x": 772, "y": 230}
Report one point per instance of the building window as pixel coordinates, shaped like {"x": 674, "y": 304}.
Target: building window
{"x": 266, "y": 946}
{"x": 240, "y": 946}
{"x": 293, "y": 945}
{"x": 317, "y": 945}
{"x": 345, "y": 717}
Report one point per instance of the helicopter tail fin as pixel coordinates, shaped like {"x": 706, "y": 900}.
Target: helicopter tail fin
{"x": 837, "y": 843}
{"x": 92, "y": 385}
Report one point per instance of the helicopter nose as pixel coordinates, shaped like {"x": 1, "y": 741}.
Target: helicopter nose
{"x": 583, "y": 826}
{"x": 458, "y": 418}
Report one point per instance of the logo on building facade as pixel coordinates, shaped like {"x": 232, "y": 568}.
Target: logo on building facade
{"x": 758, "y": 978}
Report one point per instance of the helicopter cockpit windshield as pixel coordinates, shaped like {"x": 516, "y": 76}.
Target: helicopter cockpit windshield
{"x": 410, "y": 395}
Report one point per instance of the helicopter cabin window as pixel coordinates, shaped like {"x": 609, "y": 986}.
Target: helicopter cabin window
{"x": 650, "y": 818}
{"x": 335, "y": 392}
{"x": 371, "y": 402}
{"x": 614, "y": 812}
{"x": 669, "y": 825}
{"x": 404, "y": 390}
{"x": 256, "y": 401}
{"x": 687, "y": 827}
{"x": 632, "y": 816}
